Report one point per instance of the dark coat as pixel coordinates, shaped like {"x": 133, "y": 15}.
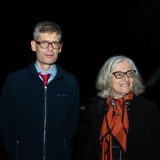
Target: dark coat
{"x": 35, "y": 122}
{"x": 144, "y": 131}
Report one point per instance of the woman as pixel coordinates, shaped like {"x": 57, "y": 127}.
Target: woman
{"x": 123, "y": 125}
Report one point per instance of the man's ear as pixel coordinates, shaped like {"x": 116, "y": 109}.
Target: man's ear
{"x": 33, "y": 45}
{"x": 60, "y": 48}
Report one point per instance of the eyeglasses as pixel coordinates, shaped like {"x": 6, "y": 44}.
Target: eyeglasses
{"x": 45, "y": 44}
{"x": 129, "y": 74}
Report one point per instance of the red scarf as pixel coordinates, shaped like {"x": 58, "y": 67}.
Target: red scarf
{"x": 115, "y": 123}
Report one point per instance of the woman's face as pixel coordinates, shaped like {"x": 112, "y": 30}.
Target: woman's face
{"x": 122, "y": 86}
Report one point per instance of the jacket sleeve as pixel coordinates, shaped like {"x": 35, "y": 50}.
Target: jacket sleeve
{"x": 94, "y": 116}
{"x": 74, "y": 116}
{"x": 155, "y": 130}
{"x": 5, "y": 113}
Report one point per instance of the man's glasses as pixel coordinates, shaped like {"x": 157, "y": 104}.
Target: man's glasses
{"x": 129, "y": 74}
{"x": 45, "y": 44}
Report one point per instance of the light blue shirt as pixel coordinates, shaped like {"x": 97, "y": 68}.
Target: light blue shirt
{"x": 52, "y": 71}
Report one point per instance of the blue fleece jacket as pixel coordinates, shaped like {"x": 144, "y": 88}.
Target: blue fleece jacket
{"x": 38, "y": 123}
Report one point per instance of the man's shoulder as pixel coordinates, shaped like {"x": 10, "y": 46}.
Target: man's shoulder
{"x": 22, "y": 72}
{"x": 17, "y": 75}
{"x": 66, "y": 74}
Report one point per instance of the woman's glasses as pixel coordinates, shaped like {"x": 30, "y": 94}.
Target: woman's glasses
{"x": 129, "y": 74}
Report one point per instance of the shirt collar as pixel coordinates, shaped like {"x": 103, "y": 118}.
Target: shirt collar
{"x": 52, "y": 70}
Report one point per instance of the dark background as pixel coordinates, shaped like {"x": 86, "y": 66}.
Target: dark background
{"x": 92, "y": 32}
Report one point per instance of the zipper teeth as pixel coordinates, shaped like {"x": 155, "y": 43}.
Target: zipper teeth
{"x": 17, "y": 148}
{"x": 44, "y": 132}
{"x": 65, "y": 144}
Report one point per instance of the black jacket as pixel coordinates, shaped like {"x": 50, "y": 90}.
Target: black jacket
{"x": 37, "y": 123}
{"x": 144, "y": 131}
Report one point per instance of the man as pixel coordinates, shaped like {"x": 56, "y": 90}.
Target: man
{"x": 39, "y": 105}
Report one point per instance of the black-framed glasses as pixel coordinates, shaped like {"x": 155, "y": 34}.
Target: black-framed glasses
{"x": 129, "y": 74}
{"x": 45, "y": 44}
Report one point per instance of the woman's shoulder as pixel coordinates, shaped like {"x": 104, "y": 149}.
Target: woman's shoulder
{"x": 96, "y": 100}
{"x": 143, "y": 99}
{"x": 95, "y": 105}
{"x": 144, "y": 102}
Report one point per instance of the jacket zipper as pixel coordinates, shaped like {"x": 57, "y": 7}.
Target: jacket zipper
{"x": 17, "y": 148}
{"x": 44, "y": 131}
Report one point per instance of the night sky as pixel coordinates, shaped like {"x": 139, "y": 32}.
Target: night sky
{"x": 92, "y": 32}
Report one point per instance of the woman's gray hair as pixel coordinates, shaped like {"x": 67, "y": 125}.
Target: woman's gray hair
{"x": 105, "y": 76}
{"x": 46, "y": 27}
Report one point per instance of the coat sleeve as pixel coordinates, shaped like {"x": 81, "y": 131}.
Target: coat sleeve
{"x": 5, "y": 113}
{"x": 94, "y": 114}
{"x": 155, "y": 131}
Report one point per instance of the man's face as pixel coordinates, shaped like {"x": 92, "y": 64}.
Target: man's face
{"x": 46, "y": 56}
